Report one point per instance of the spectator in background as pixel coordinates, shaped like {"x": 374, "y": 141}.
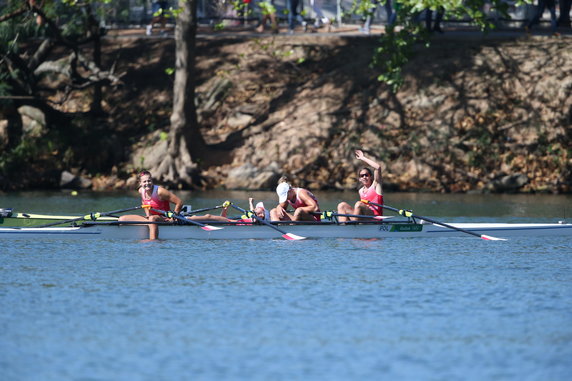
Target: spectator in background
{"x": 391, "y": 16}
{"x": 294, "y": 17}
{"x": 439, "y": 13}
{"x": 542, "y": 5}
{"x": 564, "y": 19}
{"x": 159, "y": 10}
{"x": 268, "y": 12}
{"x": 320, "y": 18}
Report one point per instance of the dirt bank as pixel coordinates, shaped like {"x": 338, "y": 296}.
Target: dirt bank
{"x": 474, "y": 115}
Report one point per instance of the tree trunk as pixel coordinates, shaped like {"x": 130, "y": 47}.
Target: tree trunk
{"x": 185, "y": 142}
{"x": 185, "y": 138}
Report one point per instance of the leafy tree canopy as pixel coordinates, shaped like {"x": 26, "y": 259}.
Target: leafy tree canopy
{"x": 396, "y": 44}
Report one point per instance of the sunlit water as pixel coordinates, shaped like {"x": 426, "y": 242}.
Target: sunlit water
{"x": 456, "y": 308}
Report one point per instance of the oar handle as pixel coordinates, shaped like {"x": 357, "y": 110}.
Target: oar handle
{"x": 203, "y": 209}
{"x": 173, "y": 215}
{"x": 330, "y": 214}
{"x": 402, "y": 212}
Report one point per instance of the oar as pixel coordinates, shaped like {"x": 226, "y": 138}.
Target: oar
{"x": 408, "y": 213}
{"x": 288, "y": 236}
{"x": 195, "y": 211}
{"x": 91, "y": 216}
{"x": 330, "y": 214}
{"x": 170, "y": 214}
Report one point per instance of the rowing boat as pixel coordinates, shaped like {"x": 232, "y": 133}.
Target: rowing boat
{"x": 325, "y": 229}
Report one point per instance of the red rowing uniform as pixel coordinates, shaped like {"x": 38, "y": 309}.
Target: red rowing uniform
{"x": 154, "y": 201}
{"x": 371, "y": 194}
{"x": 299, "y": 203}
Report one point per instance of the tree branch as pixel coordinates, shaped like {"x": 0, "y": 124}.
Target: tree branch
{"x": 14, "y": 14}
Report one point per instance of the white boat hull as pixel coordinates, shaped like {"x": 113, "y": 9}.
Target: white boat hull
{"x": 319, "y": 230}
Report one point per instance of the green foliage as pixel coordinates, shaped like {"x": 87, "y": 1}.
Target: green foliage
{"x": 241, "y": 6}
{"x": 267, "y": 8}
{"x": 68, "y": 15}
{"x": 219, "y": 26}
{"x": 17, "y": 29}
{"x": 396, "y": 45}
{"x": 25, "y": 151}
{"x": 5, "y": 87}
{"x": 363, "y": 7}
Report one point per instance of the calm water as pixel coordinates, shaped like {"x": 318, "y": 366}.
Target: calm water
{"x": 278, "y": 310}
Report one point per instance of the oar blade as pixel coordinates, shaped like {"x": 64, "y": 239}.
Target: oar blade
{"x": 210, "y": 228}
{"x": 292, "y": 237}
{"x": 491, "y": 238}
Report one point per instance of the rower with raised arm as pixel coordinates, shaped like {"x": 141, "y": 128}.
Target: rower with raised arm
{"x": 259, "y": 209}
{"x": 302, "y": 200}
{"x": 370, "y": 190}
{"x": 156, "y": 197}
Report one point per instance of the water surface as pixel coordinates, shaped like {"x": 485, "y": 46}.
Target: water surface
{"x": 456, "y": 308}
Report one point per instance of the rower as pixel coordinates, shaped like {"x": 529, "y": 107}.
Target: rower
{"x": 156, "y": 197}
{"x": 302, "y": 200}
{"x": 370, "y": 190}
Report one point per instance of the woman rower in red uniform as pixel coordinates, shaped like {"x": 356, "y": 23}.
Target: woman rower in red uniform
{"x": 302, "y": 200}
{"x": 157, "y": 198}
{"x": 370, "y": 190}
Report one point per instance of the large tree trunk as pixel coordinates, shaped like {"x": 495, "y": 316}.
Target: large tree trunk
{"x": 175, "y": 164}
{"x": 185, "y": 138}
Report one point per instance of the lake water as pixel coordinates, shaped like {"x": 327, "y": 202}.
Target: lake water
{"x": 396, "y": 309}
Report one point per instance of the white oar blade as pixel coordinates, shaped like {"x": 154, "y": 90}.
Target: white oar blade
{"x": 382, "y": 217}
{"x": 490, "y": 238}
{"x": 292, "y": 237}
{"x": 210, "y": 228}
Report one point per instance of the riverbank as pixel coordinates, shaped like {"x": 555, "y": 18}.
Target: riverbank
{"x": 488, "y": 114}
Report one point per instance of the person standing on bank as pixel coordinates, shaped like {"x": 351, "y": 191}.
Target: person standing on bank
{"x": 302, "y": 200}
{"x": 370, "y": 190}
{"x": 158, "y": 198}
{"x": 159, "y": 9}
